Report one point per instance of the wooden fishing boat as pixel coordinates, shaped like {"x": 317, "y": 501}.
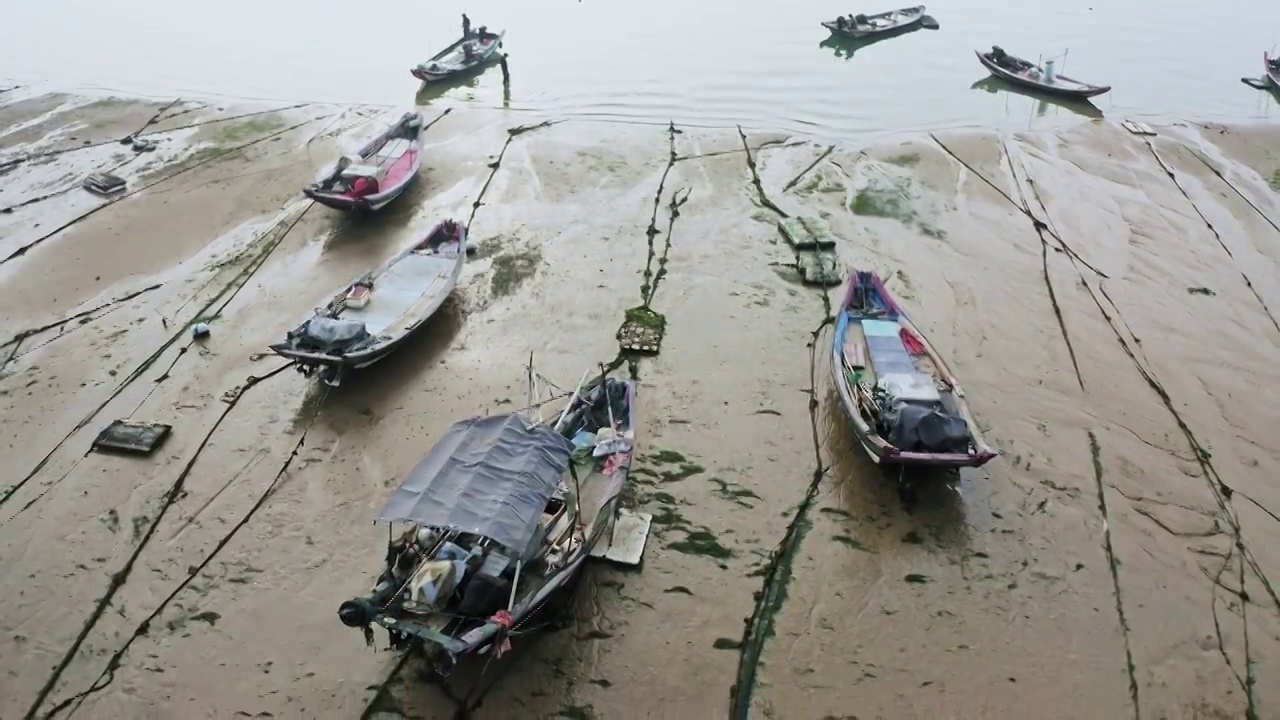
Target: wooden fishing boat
{"x": 1272, "y": 68}
{"x": 860, "y": 26}
{"x": 1027, "y": 74}
{"x": 906, "y": 406}
{"x": 502, "y": 515}
{"x": 468, "y": 53}
{"x": 379, "y": 310}
{"x": 379, "y": 173}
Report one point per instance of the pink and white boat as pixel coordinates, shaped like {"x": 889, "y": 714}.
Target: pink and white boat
{"x": 379, "y": 172}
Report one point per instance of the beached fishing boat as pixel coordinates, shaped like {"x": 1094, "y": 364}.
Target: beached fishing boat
{"x": 379, "y": 310}
{"x": 378, "y": 173}
{"x": 1043, "y": 78}
{"x": 502, "y": 515}
{"x": 906, "y": 406}
{"x": 1272, "y": 67}
{"x": 468, "y": 53}
{"x": 860, "y": 26}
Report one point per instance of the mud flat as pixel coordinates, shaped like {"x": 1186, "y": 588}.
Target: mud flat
{"x": 1109, "y": 301}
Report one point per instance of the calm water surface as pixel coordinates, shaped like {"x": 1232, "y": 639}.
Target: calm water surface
{"x": 702, "y": 62}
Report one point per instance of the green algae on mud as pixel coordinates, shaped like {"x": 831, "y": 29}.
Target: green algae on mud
{"x": 734, "y": 493}
{"x": 245, "y": 129}
{"x": 701, "y": 542}
{"x": 904, "y": 159}
{"x": 510, "y": 270}
{"x": 850, "y": 542}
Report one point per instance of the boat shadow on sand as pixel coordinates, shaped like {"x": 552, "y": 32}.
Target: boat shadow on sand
{"x": 995, "y": 86}
{"x": 845, "y": 47}
{"x": 868, "y": 490}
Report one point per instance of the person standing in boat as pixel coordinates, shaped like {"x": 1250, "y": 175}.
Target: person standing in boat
{"x": 466, "y": 26}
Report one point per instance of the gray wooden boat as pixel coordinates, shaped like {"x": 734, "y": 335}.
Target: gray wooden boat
{"x": 1029, "y": 75}
{"x": 861, "y": 26}
{"x": 379, "y": 310}
{"x": 467, "y": 54}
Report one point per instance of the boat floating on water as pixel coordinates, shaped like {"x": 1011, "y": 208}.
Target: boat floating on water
{"x": 861, "y": 26}
{"x": 1043, "y": 78}
{"x": 378, "y": 311}
{"x": 1272, "y": 68}
{"x": 502, "y": 515}
{"x": 906, "y": 406}
{"x": 468, "y": 53}
{"x": 379, "y": 172}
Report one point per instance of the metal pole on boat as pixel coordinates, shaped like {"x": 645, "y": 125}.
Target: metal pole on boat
{"x": 533, "y": 386}
{"x": 607, "y": 402}
{"x": 572, "y": 398}
{"x": 515, "y": 582}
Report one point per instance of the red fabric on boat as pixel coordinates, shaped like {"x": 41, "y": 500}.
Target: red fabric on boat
{"x": 364, "y": 186}
{"x": 911, "y": 342}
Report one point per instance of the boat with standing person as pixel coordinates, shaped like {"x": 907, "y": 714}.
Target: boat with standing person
{"x": 378, "y": 172}
{"x": 906, "y": 406}
{"x": 500, "y": 519}
{"x": 469, "y": 53}
{"x": 861, "y": 26}
{"x": 378, "y": 311}
{"x": 1043, "y": 78}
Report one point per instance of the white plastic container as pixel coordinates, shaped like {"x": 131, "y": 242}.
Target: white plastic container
{"x": 1050, "y": 71}
{"x": 358, "y": 296}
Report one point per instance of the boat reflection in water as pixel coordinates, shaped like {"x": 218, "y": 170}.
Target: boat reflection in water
{"x": 1043, "y": 101}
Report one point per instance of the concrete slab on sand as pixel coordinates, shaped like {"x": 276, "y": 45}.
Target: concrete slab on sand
{"x": 1109, "y": 301}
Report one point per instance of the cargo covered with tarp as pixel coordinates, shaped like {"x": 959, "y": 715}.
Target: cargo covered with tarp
{"x": 489, "y": 476}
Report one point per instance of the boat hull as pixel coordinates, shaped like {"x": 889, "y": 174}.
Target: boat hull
{"x": 877, "y": 448}
{"x": 1079, "y": 91}
{"x": 368, "y": 204}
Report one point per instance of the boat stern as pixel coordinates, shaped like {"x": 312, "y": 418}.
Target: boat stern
{"x": 331, "y": 368}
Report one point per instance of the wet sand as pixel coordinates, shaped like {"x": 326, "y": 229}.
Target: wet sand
{"x": 1113, "y": 562}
